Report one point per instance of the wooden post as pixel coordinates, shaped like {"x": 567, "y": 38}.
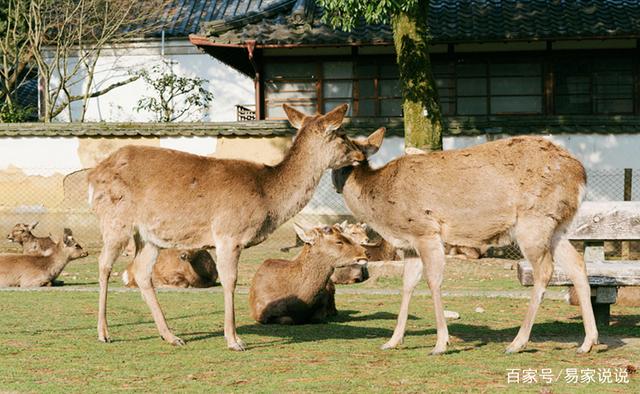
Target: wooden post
{"x": 625, "y": 249}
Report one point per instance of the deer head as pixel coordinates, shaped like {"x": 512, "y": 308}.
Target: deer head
{"x": 330, "y": 241}
{"x": 368, "y": 147}
{"x": 342, "y": 150}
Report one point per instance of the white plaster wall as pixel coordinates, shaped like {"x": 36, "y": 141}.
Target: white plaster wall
{"x": 46, "y": 156}
{"x": 228, "y": 86}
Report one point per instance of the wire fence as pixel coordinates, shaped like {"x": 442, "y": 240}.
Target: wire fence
{"x": 56, "y": 198}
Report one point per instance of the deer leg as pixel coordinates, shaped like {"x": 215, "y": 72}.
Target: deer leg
{"x": 108, "y": 255}
{"x": 142, "y": 270}
{"x": 566, "y": 256}
{"x": 432, "y": 255}
{"x": 536, "y": 250}
{"x": 227, "y": 263}
{"x": 542, "y": 271}
{"x": 410, "y": 278}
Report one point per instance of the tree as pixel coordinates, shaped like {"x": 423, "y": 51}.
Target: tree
{"x": 422, "y": 118}
{"x": 175, "y": 96}
{"x": 15, "y": 58}
{"x": 67, "y": 37}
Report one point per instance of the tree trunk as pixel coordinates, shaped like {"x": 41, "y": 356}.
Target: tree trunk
{"x": 422, "y": 119}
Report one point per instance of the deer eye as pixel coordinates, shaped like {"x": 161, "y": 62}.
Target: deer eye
{"x": 338, "y": 242}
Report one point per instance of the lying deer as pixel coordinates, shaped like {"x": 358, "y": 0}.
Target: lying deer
{"x": 523, "y": 187}
{"x": 32, "y": 245}
{"x": 32, "y": 271}
{"x": 376, "y": 251}
{"x": 299, "y": 291}
{"x": 170, "y": 199}
{"x": 179, "y": 268}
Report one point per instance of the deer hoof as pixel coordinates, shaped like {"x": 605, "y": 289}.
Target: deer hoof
{"x": 437, "y": 352}
{"x": 513, "y": 349}
{"x": 104, "y": 339}
{"x": 238, "y": 347}
{"x": 584, "y": 349}
{"x": 177, "y": 342}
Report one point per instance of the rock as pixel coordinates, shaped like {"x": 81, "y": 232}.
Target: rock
{"x": 451, "y": 315}
{"x": 479, "y": 309}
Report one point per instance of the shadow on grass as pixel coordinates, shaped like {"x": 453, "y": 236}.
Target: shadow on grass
{"x": 473, "y": 336}
{"x": 93, "y": 327}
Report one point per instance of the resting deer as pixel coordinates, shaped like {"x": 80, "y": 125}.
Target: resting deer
{"x": 170, "y": 199}
{"x": 376, "y": 251}
{"x": 299, "y": 291}
{"x": 525, "y": 187}
{"x": 179, "y": 268}
{"x": 38, "y": 246}
{"x": 32, "y": 271}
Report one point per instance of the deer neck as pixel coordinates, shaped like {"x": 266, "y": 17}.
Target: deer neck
{"x": 289, "y": 185}
{"x": 316, "y": 269}
{"x": 354, "y": 185}
{"x": 59, "y": 259}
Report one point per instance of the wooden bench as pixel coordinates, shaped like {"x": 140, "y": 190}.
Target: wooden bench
{"x": 595, "y": 223}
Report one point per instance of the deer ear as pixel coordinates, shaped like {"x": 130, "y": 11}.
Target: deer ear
{"x": 343, "y": 225}
{"x": 332, "y": 120}
{"x": 374, "y": 141}
{"x": 307, "y": 236}
{"x": 33, "y": 225}
{"x": 295, "y": 117}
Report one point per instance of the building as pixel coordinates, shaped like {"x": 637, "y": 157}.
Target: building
{"x": 567, "y": 69}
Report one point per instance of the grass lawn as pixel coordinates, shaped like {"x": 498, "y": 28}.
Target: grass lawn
{"x": 48, "y": 344}
{"x": 48, "y": 341}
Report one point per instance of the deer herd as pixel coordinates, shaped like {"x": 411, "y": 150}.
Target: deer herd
{"x": 191, "y": 216}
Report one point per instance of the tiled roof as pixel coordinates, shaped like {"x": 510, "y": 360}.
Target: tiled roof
{"x": 298, "y": 22}
{"x": 184, "y": 17}
{"x": 264, "y": 128}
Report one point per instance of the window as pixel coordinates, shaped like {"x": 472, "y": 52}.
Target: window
{"x": 293, "y": 83}
{"x": 598, "y": 86}
{"x": 483, "y": 88}
{"x": 516, "y": 88}
{"x": 371, "y": 88}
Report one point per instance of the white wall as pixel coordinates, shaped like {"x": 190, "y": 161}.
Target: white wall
{"x": 46, "y": 156}
{"x": 228, "y": 86}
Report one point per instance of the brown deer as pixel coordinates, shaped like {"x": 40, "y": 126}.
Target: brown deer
{"x": 178, "y": 268}
{"x": 22, "y": 234}
{"x": 525, "y": 187}
{"x": 170, "y": 199}
{"x": 299, "y": 291}
{"x": 32, "y": 271}
{"x": 380, "y": 250}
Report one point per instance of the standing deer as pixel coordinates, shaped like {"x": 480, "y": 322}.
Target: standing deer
{"x": 523, "y": 187}
{"x": 25, "y": 270}
{"x": 300, "y": 290}
{"x": 38, "y": 246}
{"x": 170, "y": 199}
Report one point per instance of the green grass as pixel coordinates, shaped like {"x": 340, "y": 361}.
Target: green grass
{"x": 48, "y": 340}
{"x": 48, "y": 344}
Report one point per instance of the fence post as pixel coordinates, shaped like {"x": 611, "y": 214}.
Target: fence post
{"x": 625, "y": 250}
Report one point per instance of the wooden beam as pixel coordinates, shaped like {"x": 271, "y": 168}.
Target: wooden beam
{"x": 600, "y": 274}
{"x": 606, "y": 221}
